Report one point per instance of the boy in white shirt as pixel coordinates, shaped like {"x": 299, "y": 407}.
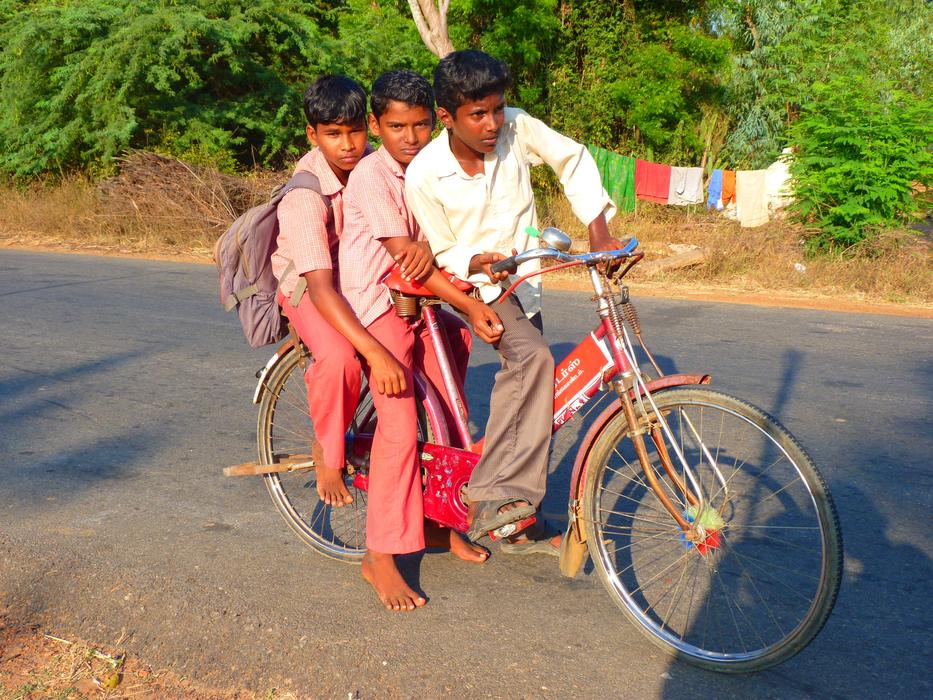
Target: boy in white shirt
{"x": 470, "y": 190}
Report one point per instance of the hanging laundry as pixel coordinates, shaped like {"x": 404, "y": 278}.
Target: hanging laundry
{"x": 728, "y": 187}
{"x": 652, "y": 181}
{"x": 751, "y": 198}
{"x": 618, "y": 176}
{"x": 777, "y": 181}
{"x": 686, "y": 186}
{"x": 715, "y": 190}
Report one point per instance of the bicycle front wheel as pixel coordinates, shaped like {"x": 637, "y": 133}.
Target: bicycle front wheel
{"x": 762, "y": 582}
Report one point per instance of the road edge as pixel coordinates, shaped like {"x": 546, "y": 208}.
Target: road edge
{"x": 721, "y": 295}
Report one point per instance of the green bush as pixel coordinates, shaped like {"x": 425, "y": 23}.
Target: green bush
{"x": 862, "y": 148}
{"x": 217, "y": 79}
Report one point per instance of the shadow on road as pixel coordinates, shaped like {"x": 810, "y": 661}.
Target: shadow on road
{"x": 57, "y": 440}
{"x": 878, "y": 630}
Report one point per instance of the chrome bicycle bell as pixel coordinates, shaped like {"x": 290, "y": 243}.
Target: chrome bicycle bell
{"x": 555, "y": 238}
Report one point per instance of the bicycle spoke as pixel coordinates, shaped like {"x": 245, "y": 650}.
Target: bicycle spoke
{"x": 744, "y": 593}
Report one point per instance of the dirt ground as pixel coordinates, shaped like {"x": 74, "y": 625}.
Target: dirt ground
{"x": 572, "y": 282}
{"x": 35, "y": 663}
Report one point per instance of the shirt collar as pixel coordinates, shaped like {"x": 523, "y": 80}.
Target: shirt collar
{"x": 390, "y": 162}
{"x": 447, "y": 163}
{"x": 317, "y": 164}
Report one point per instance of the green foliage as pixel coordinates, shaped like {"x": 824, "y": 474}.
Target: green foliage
{"x": 374, "y": 37}
{"x": 82, "y": 81}
{"x": 637, "y": 80}
{"x": 862, "y": 146}
{"x": 220, "y": 81}
{"x": 520, "y": 32}
{"x": 782, "y": 48}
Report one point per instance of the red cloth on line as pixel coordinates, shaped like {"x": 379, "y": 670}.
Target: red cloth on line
{"x": 652, "y": 181}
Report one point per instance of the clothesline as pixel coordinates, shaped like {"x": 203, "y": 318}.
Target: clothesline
{"x": 747, "y": 195}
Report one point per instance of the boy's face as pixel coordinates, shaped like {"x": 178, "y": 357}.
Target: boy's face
{"x": 477, "y": 122}
{"x": 404, "y": 129}
{"x": 342, "y": 144}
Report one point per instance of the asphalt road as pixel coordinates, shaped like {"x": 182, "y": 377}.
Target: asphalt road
{"x": 124, "y": 389}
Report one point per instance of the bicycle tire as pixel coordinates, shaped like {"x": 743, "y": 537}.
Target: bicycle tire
{"x": 761, "y": 556}
{"x": 284, "y": 427}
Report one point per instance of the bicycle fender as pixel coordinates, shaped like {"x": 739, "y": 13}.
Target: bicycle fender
{"x": 578, "y": 475}
{"x": 261, "y": 375}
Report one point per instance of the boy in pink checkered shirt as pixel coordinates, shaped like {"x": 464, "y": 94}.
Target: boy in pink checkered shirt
{"x": 378, "y": 232}
{"x": 310, "y": 226}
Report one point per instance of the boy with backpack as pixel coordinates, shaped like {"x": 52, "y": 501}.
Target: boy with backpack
{"x": 378, "y": 231}
{"x": 470, "y": 190}
{"x": 305, "y": 263}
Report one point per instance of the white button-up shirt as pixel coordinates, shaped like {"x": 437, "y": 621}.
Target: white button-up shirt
{"x": 463, "y": 215}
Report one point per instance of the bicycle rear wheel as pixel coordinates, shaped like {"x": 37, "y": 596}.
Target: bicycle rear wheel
{"x": 285, "y": 429}
{"x": 763, "y": 582}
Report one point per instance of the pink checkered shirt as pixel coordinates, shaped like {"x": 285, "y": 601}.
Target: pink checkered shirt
{"x": 309, "y": 231}
{"x": 374, "y": 208}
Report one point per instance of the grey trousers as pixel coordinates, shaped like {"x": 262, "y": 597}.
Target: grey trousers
{"x": 521, "y": 410}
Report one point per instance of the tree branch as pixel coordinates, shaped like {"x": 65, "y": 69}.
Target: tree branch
{"x": 431, "y": 22}
{"x": 752, "y": 27}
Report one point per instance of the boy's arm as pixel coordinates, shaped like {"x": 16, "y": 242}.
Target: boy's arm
{"x": 386, "y": 373}
{"x": 578, "y": 174}
{"x": 449, "y": 252}
{"x": 485, "y": 322}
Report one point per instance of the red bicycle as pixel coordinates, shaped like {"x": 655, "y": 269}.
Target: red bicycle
{"x": 707, "y": 522}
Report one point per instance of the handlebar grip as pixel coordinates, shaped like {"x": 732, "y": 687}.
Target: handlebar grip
{"x": 507, "y": 265}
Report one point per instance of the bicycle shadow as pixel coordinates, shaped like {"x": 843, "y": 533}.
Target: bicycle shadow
{"x": 873, "y": 594}
{"x": 880, "y": 624}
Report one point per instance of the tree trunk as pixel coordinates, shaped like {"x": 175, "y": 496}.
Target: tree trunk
{"x": 752, "y": 27}
{"x": 431, "y": 21}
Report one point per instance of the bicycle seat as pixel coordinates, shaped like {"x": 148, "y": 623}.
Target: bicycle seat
{"x": 393, "y": 280}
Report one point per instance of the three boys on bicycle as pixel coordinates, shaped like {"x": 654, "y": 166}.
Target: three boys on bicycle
{"x": 462, "y": 202}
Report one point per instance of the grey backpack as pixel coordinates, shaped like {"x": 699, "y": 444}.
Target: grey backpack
{"x": 243, "y": 256}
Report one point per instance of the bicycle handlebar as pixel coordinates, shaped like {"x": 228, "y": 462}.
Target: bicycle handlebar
{"x": 511, "y": 263}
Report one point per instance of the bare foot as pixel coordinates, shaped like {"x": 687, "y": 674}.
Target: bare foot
{"x": 437, "y": 537}
{"x": 331, "y": 487}
{"x": 383, "y": 575}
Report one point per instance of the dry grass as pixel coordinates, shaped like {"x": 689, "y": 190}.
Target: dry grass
{"x": 896, "y": 268}
{"x": 160, "y": 206}
{"x": 155, "y": 205}
{"x": 35, "y": 666}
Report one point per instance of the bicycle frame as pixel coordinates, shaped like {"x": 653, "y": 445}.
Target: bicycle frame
{"x": 605, "y": 356}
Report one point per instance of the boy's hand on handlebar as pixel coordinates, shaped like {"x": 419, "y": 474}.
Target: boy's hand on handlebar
{"x": 483, "y": 262}
{"x": 416, "y": 261}
{"x": 608, "y": 243}
{"x": 386, "y": 374}
{"x": 486, "y": 323}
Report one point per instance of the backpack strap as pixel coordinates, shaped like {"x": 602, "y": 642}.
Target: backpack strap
{"x": 235, "y": 297}
{"x": 308, "y": 181}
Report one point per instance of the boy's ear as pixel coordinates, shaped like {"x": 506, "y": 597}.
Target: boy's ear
{"x": 312, "y": 135}
{"x": 447, "y": 119}
{"x": 374, "y": 125}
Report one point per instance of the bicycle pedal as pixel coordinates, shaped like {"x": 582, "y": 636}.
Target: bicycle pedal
{"x": 512, "y": 528}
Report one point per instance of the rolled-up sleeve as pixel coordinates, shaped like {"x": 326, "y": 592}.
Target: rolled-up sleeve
{"x": 573, "y": 164}
{"x": 303, "y": 231}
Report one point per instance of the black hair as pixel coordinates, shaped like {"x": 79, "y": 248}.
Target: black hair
{"x": 467, "y": 75}
{"x": 402, "y": 86}
{"x": 335, "y": 99}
